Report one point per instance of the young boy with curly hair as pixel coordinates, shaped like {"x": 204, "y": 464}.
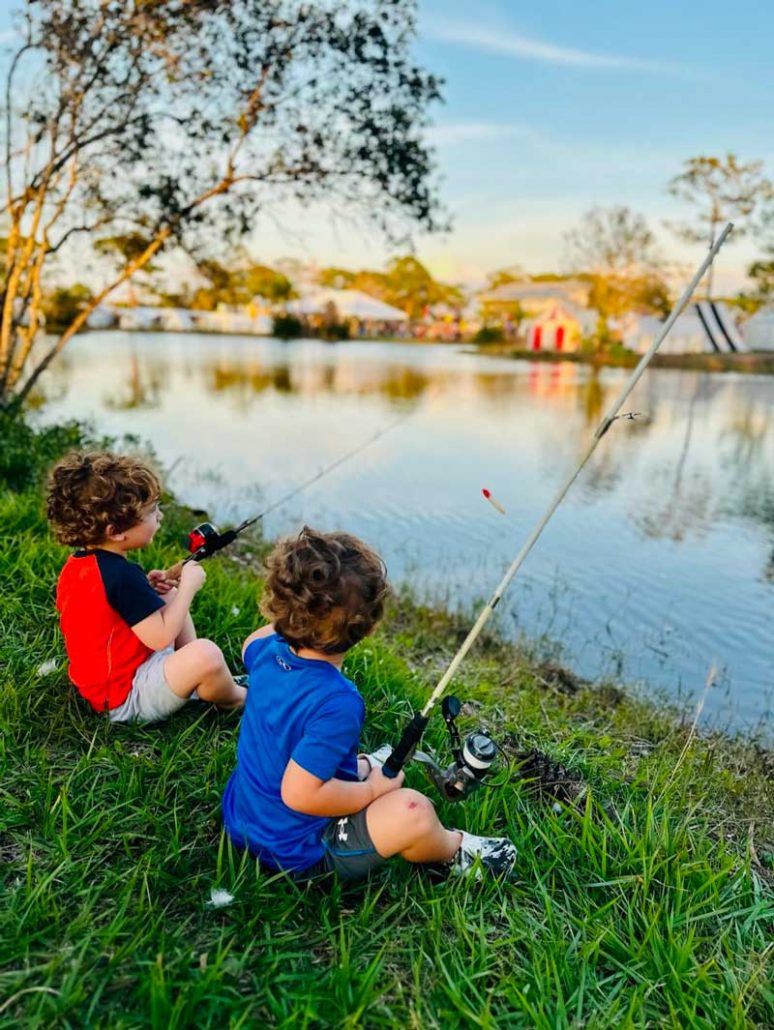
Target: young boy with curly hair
{"x": 130, "y": 640}
{"x": 301, "y": 799}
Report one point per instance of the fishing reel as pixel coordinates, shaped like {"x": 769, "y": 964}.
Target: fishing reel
{"x": 473, "y": 758}
{"x": 204, "y": 540}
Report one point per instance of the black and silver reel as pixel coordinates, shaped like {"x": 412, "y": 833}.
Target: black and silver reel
{"x": 473, "y": 758}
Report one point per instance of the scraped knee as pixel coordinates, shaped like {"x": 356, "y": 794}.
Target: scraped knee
{"x": 418, "y": 810}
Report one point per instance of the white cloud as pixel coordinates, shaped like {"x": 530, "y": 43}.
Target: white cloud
{"x": 464, "y": 132}
{"x": 512, "y": 44}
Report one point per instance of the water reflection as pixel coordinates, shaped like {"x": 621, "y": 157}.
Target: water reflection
{"x": 244, "y": 379}
{"x": 661, "y": 559}
{"x": 142, "y": 389}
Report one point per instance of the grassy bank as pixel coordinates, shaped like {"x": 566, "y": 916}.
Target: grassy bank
{"x": 645, "y": 898}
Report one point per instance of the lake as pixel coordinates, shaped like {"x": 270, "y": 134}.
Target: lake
{"x": 658, "y": 565}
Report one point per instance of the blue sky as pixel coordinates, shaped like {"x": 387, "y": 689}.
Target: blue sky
{"x": 556, "y": 106}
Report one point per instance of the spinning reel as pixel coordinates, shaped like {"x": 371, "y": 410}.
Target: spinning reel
{"x": 473, "y": 757}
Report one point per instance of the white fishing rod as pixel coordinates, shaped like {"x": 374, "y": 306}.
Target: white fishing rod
{"x": 413, "y": 732}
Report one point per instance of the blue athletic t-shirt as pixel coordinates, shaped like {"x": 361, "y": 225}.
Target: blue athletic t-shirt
{"x": 296, "y": 708}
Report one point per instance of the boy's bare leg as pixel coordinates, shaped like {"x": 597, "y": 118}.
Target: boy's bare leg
{"x": 188, "y": 632}
{"x": 404, "y": 823}
{"x": 199, "y": 665}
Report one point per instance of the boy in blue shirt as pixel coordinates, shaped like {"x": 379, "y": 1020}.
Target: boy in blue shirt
{"x": 301, "y": 799}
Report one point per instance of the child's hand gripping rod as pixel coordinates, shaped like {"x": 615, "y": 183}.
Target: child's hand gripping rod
{"x": 413, "y": 732}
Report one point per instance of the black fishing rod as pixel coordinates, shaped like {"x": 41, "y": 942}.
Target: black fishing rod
{"x": 413, "y": 732}
{"x": 204, "y": 540}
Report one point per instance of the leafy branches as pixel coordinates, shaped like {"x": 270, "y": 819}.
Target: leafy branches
{"x": 722, "y": 189}
{"x": 615, "y": 249}
{"x": 160, "y": 125}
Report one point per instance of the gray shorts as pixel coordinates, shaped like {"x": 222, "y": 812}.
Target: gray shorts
{"x": 151, "y": 698}
{"x": 349, "y": 850}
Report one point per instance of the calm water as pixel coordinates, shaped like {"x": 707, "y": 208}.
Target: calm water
{"x": 659, "y": 563}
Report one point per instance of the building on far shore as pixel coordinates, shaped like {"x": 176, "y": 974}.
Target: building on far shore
{"x": 534, "y": 298}
{"x": 365, "y": 315}
{"x": 559, "y": 327}
{"x": 225, "y": 319}
{"x": 546, "y": 315}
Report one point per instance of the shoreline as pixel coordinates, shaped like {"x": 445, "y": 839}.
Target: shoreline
{"x": 750, "y": 363}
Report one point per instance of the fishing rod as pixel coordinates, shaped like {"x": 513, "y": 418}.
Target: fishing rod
{"x": 204, "y": 540}
{"x": 472, "y": 761}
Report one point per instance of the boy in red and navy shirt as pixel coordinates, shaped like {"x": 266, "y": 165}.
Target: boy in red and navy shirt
{"x": 129, "y": 637}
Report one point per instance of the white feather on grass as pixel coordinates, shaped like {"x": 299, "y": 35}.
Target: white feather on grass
{"x": 220, "y": 898}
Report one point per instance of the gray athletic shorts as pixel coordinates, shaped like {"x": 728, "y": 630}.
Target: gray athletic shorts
{"x": 151, "y": 698}
{"x": 349, "y": 850}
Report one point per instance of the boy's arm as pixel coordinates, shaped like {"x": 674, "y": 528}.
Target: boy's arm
{"x": 306, "y": 793}
{"x": 163, "y": 627}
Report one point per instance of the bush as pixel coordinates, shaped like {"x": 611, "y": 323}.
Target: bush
{"x": 287, "y": 327}
{"x": 27, "y": 453}
{"x": 489, "y": 334}
{"x": 333, "y": 331}
{"x": 63, "y": 304}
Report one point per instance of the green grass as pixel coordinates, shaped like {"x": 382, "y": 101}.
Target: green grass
{"x": 649, "y": 903}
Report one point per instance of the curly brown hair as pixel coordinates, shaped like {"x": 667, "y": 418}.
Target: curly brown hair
{"x": 89, "y": 492}
{"x": 324, "y": 591}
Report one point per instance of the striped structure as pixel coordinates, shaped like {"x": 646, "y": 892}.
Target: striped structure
{"x": 722, "y": 333}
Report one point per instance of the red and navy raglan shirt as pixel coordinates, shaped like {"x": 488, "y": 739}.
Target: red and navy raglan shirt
{"x": 100, "y": 596}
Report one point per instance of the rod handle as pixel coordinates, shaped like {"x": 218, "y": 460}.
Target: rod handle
{"x": 406, "y": 746}
{"x": 173, "y": 572}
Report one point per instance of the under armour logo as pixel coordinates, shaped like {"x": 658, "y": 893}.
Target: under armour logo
{"x": 282, "y": 663}
{"x": 342, "y": 834}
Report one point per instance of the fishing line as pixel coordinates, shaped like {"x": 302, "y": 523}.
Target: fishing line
{"x": 205, "y": 540}
{"x": 413, "y": 732}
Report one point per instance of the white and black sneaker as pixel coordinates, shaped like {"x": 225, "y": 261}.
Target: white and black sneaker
{"x": 376, "y": 759}
{"x": 495, "y": 854}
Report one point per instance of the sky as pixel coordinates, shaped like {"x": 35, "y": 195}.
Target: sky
{"x": 559, "y": 106}
{"x": 555, "y": 107}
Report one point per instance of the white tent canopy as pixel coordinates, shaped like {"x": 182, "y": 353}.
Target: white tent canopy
{"x": 703, "y": 328}
{"x": 760, "y": 330}
{"x": 348, "y": 304}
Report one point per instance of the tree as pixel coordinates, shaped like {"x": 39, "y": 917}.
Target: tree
{"x": 406, "y": 284}
{"x": 505, "y": 276}
{"x": 336, "y": 278}
{"x": 612, "y": 241}
{"x": 180, "y": 120}
{"x": 762, "y": 271}
{"x": 238, "y": 285}
{"x": 122, "y": 251}
{"x": 762, "y": 274}
{"x": 723, "y": 190}
{"x": 616, "y": 251}
{"x": 409, "y": 286}
{"x": 266, "y": 282}
{"x": 61, "y": 305}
